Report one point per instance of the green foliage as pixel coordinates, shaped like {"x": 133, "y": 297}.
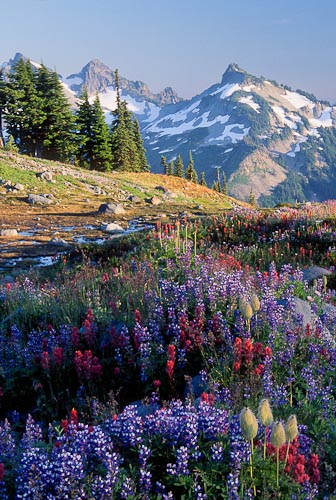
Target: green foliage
{"x": 191, "y": 173}
{"x": 101, "y": 141}
{"x": 202, "y": 180}
{"x": 164, "y": 165}
{"x": 179, "y": 168}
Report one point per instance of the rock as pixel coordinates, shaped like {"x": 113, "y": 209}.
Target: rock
{"x": 19, "y": 187}
{"x": 135, "y": 199}
{"x": 59, "y": 242}
{"x": 170, "y": 195}
{"x": 112, "y": 228}
{"x": 314, "y": 272}
{"x": 8, "y": 232}
{"x": 303, "y": 308}
{"x": 45, "y": 176}
{"x": 161, "y": 188}
{"x": 155, "y": 201}
{"x": 37, "y": 199}
{"x": 111, "y": 208}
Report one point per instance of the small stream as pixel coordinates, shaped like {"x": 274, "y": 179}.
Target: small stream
{"x": 93, "y": 235}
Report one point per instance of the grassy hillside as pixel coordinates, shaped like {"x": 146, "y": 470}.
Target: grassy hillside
{"x": 73, "y": 186}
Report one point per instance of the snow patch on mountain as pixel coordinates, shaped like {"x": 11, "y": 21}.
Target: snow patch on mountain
{"x": 232, "y": 133}
{"x": 250, "y": 102}
{"x": 227, "y": 90}
{"x": 297, "y": 100}
{"x": 325, "y": 120}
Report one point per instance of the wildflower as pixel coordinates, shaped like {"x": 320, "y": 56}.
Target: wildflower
{"x": 58, "y": 355}
{"x": 291, "y": 428}
{"x": 265, "y": 413}
{"x": 248, "y": 423}
{"x": 45, "y": 360}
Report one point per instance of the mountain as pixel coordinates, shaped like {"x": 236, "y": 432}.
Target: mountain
{"x": 99, "y": 79}
{"x": 267, "y": 138}
{"x": 279, "y": 143}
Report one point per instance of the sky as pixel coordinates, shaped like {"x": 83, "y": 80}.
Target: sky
{"x": 185, "y": 44}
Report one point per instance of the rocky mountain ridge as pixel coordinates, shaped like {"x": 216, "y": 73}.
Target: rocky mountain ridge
{"x": 265, "y": 137}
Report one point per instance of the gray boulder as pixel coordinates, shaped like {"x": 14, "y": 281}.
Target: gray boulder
{"x": 37, "y": 199}
{"x": 59, "y": 242}
{"x": 111, "y": 208}
{"x": 45, "y": 176}
{"x": 112, "y": 228}
{"x": 135, "y": 199}
{"x": 155, "y": 201}
{"x": 314, "y": 272}
{"x": 18, "y": 187}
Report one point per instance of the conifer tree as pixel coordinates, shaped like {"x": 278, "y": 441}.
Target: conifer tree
{"x": 164, "y": 165}
{"x": 3, "y": 100}
{"x": 191, "y": 173}
{"x": 127, "y": 147}
{"x": 83, "y": 123}
{"x": 202, "y": 180}
{"x": 179, "y": 167}
{"x": 58, "y": 134}
{"x": 143, "y": 163}
{"x": 218, "y": 182}
{"x": 170, "y": 169}
{"x": 24, "y": 108}
{"x": 101, "y": 148}
{"x": 252, "y": 199}
{"x": 224, "y": 184}
{"x": 216, "y": 187}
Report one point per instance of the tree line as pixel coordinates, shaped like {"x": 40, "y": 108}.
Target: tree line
{"x": 40, "y": 123}
{"x": 177, "y": 169}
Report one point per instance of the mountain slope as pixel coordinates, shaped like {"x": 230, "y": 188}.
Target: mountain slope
{"x": 261, "y": 134}
{"x": 265, "y": 137}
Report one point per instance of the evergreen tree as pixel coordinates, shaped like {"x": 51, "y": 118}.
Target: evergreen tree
{"x": 202, "y": 180}
{"x": 24, "y": 108}
{"x": 191, "y": 173}
{"x": 215, "y": 186}
{"x": 83, "y": 123}
{"x": 252, "y": 199}
{"x": 224, "y": 184}
{"x": 143, "y": 163}
{"x": 218, "y": 182}
{"x": 170, "y": 169}
{"x": 3, "y": 100}
{"x": 101, "y": 149}
{"x": 164, "y": 165}
{"x": 127, "y": 149}
{"x": 179, "y": 167}
{"x": 57, "y": 130}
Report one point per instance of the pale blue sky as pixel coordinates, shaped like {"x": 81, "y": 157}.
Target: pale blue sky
{"x": 186, "y": 44}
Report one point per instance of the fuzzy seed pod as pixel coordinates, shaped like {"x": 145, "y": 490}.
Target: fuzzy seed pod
{"x": 291, "y": 428}
{"x": 248, "y": 423}
{"x": 247, "y": 312}
{"x": 255, "y": 303}
{"x": 325, "y": 281}
{"x": 278, "y": 435}
{"x": 265, "y": 413}
{"x": 241, "y": 303}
